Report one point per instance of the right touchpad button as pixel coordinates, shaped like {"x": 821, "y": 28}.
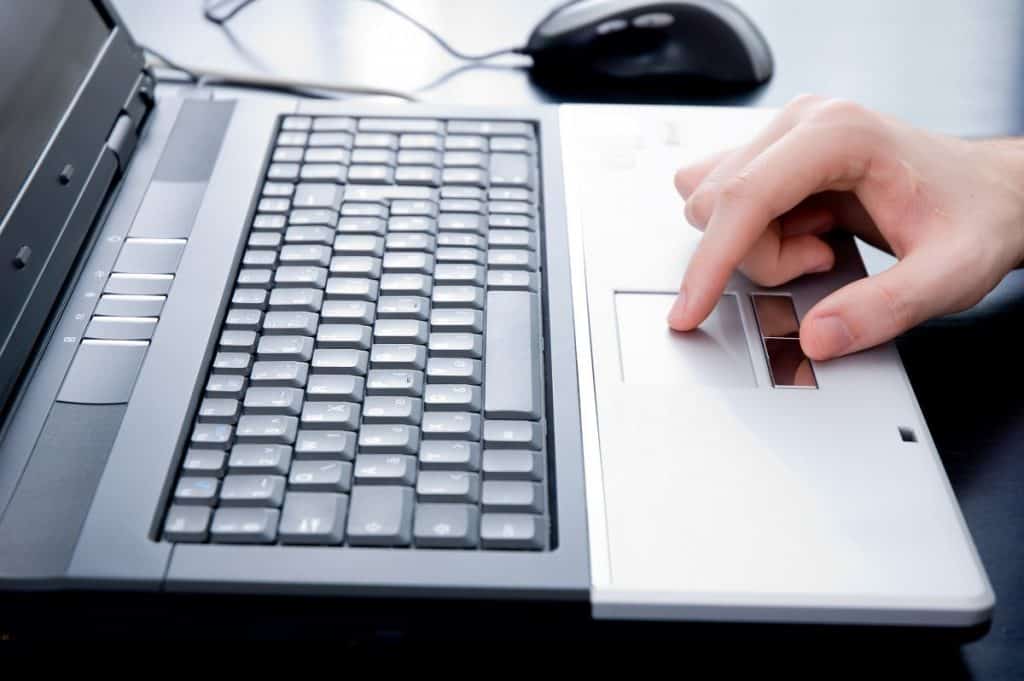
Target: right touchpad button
{"x": 716, "y": 353}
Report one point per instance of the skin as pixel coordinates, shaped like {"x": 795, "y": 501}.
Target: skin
{"x": 950, "y": 210}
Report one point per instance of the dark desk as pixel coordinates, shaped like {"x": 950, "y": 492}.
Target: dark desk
{"x": 949, "y": 65}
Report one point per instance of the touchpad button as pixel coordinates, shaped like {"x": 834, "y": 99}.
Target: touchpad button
{"x": 650, "y": 352}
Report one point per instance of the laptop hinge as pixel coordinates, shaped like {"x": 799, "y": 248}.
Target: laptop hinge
{"x": 124, "y": 134}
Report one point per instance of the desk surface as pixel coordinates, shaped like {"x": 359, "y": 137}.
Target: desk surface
{"x": 949, "y": 65}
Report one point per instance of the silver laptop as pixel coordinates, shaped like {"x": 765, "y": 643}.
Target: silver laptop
{"x": 418, "y": 354}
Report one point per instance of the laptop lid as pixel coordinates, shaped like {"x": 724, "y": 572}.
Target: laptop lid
{"x": 70, "y": 72}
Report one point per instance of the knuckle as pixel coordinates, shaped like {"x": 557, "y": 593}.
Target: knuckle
{"x": 737, "y": 188}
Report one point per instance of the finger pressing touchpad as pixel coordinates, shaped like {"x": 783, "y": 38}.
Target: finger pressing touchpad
{"x": 650, "y": 352}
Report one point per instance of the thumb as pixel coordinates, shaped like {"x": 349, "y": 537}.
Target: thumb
{"x": 876, "y": 309}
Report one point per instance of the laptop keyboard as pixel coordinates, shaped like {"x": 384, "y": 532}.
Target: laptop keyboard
{"x": 379, "y": 379}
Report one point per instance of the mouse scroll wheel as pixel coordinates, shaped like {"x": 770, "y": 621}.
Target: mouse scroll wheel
{"x": 611, "y": 26}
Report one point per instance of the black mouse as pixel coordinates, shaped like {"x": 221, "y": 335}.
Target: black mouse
{"x": 639, "y": 44}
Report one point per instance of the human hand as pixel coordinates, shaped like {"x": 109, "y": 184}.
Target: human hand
{"x": 951, "y": 211}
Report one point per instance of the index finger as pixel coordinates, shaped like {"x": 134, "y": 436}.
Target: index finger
{"x": 805, "y": 161}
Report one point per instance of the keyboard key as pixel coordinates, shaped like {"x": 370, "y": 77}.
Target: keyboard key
{"x": 456, "y": 192}
{"x": 403, "y": 307}
{"x": 462, "y": 206}
{"x": 225, "y": 385}
{"x": 448, "y": 487}
{"x": 218, "y": 410}
{"x": 462, "y": 222}
{"x": 284, "y": 401}
{"x": 232, "y": 362}
{"x": 424, "y": 208}
{"x": 310, "y": 234}
{"x": 511, "y": 259}
{"x": 457, "y": 319}
{"x": 325, "y": 444}
{"x": 359, "y": 244}
{"x": 379, "y": 193}
{"x": 280, "y": 322}
{"x": 343, "y": 336}
{"x": 403, "y": 382}
{"x": 297, "y": 348}
{"x": 456, "y": 273}
{"x": 520, "y": 145}
{"x": 287, "y": 154}
{"x": 512, "y": 238}
{"x": 356, "y": 266}
{"x": 383, "y": 439}
{"x": 362, "y": 224}
{"x": 260, "y": 429}
{"x": 462, "y": 255}
{"x": 512, "y": 280}
{"x": 513, "y": 464}
{"x": 511, "y": 531}
{"x": 334, "y": 123}
{"x": 452, "y": 397}
{"x": 466, "y": 142}
{"x": 211, "y": 436}
{"x": 461, "y": 240}
{"x": 352, "y": 288}
{"x": 393, "y": 283}
{"x": 398, "y": 356}
{"x": 410, "y": 241}
{"x": 314, "y": 216}
{"x": 471, "y": 176}
{"x": 196, "y": 490}
{"x": 243, "y": 320}
{"x": 327, "y": 155}
{"x": 377, "y": 140}
{"x": 401, "y": 331}
{"x": 268, "y": 222}
{"x": 374, "y": 156}
{"x": 313, "y": 518}
{"x": 305, "y": 254}
{"x": 421, "y": 140}
{"x": 420, "y": 157}
{"x": 512, "y": 496}
{"x": 371, "y": 174}
{"x": 318, "y": 195}
{"x": 456, "y": 345}
{"x": 349, "y": 311}
{"x": 458, "y": 296}
{"x": 330, "y": 139}
{"x": 408, "y": 261}
{"x": 340, "y": 361}
{"x": 446, "y": 526}
{"x": 404, "y": 125}
{"x": 301, "y": 277}
{"x": 331, "y": 415}
{"x": 423, "y": 175}
{"x": 385, "y": 469}
{"x": 389, "y": 409}
{"x": 380, "y": 516}
{"x": 512, "y": 388}
{"x": 187, "y": 523}
{"x": 323, "y": 172}
{"x": 266, "y": 459}
{"x": 493, "y": 128}
{"x": 320, "y": 476}
{"x": 412, "y": 223}
{"x": 252, "y": 490}
{"x": 450, "y": 455}
{"x": 283, "y": 171}
{"x": 204, "y": 462}
{"x": 244, "y": 525}
{"x": 454, "y": 370}
{"x": 509, "y": 194}
{"x": 511, "y": 221}
{"x": 363, "y": 210}
{"x": 335, "y": 388}
{"x": 283, "y": 374}
{"x": 273, "y": 205}
{"x": 510, "y": 208}
{"x": 445, "y": 425}
{"x": 465, "y": 159}
{"x": 292, "y": 139}
{"x": 249, "y": 278}
{"x": 511, "y": 434}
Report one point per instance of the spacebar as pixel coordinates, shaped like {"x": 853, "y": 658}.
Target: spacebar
{"x": 512, "y": 369}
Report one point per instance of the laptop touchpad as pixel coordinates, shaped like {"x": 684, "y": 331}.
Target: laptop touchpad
{"x": 650, "y": 352}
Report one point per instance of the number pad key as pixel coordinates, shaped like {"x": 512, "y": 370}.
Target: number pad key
{"x": 448, "y": 486}
{"x": 442, "y": 425}
{"x": 450, "y": 455}
{"x": 376, "y": 438}
{"x": 459, "y": 296}
{"x": 452, "y": 397}
{"x": 400, "y": 382}
{"x": 403, "y": 307}
{"x": 404, "y": 356}
{"x": 401, "y": 331}
{"x": 454, "y": 370}
{"x": 456, "y": 345}
{"x": 390, "y": 409}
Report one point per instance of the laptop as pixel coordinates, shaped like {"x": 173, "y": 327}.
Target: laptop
{"x": 419, "y": 353}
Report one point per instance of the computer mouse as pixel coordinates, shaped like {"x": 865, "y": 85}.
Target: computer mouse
{"x": 640, "y": 43}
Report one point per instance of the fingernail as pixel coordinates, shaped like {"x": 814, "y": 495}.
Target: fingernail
{"x": 833, "y": 335}
{"x": 678, "y": 307}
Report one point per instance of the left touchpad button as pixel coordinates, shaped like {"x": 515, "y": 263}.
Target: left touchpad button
{"x": 103, "y": 372}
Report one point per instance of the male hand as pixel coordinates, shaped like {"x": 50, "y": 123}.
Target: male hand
{"x": 950, "y": 210}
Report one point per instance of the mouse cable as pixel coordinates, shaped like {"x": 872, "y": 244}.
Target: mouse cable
{"x": 214, "y": 77}
{"x": 214, "y": 13}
